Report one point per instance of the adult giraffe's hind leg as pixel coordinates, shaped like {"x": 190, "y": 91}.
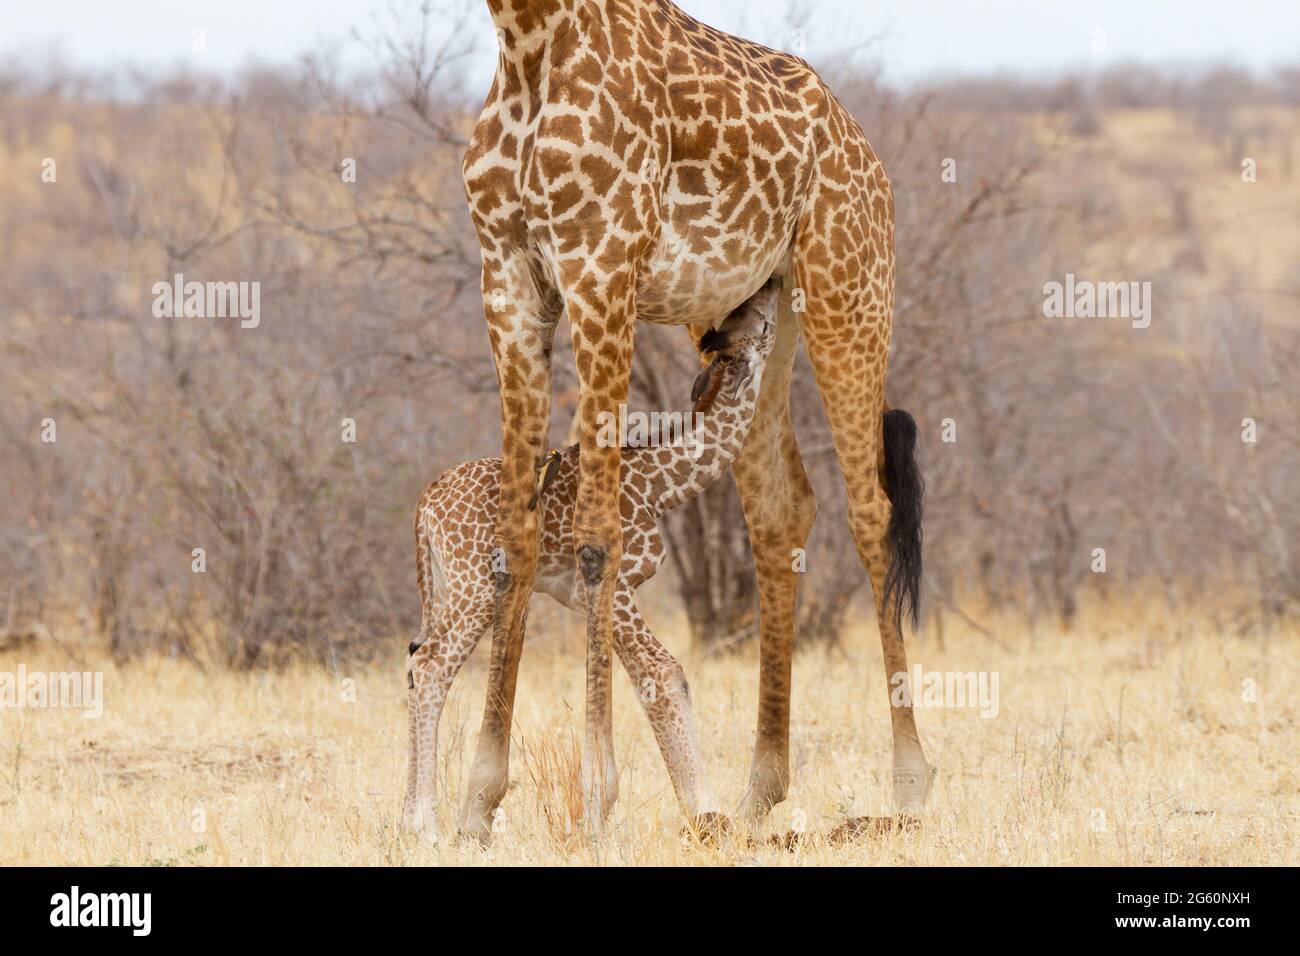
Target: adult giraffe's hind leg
{"x": 779, "y": 511}
{"x": 847, "y": 329}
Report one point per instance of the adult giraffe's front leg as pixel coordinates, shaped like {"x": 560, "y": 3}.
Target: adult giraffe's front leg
{"x": 521, "y": 332}
{"x": 602, "y": 313}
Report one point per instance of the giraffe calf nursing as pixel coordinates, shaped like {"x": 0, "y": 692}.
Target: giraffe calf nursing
{"x": 456, "y": 535}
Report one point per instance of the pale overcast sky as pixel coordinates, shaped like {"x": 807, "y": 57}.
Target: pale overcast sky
{"x": 915, "y": 38}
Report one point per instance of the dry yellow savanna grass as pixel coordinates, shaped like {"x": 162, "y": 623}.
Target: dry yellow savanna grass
{"x": 1131, "y": 740}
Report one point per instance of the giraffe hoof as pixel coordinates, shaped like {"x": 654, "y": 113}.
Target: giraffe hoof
{"x": 708, "y": 829}
{"x": 911, "y": 787}
{"x": 475, "y": 830}
{"x": 764, "y": 792}
{"x": 418, "y": 820}
{"x": 469, "y": 837}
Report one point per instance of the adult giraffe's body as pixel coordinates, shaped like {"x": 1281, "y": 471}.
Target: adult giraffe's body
{"x": 632, "y": 163}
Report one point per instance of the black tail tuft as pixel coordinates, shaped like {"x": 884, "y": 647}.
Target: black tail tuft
{"x": 905, "y": 489}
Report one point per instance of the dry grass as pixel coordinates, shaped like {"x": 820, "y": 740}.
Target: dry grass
{"x": 1126, "y": 742}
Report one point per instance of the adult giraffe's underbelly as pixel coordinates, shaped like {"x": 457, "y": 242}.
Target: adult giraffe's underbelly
{"x": 703, "y": 268}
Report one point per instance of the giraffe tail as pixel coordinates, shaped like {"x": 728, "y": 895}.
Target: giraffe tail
{"x": 906, "y": 489}
{"x": 426, "y": 573}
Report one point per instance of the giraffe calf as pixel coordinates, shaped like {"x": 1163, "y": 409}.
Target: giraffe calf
{"x": 455, "y": 532}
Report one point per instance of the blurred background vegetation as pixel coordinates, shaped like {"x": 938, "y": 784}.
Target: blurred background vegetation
{"x": 175, "y": 434}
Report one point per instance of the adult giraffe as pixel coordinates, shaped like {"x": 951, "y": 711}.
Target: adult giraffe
{"x": 632, "y": 163}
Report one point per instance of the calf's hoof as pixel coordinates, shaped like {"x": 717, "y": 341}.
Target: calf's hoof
{"x": 417, "y": 818}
